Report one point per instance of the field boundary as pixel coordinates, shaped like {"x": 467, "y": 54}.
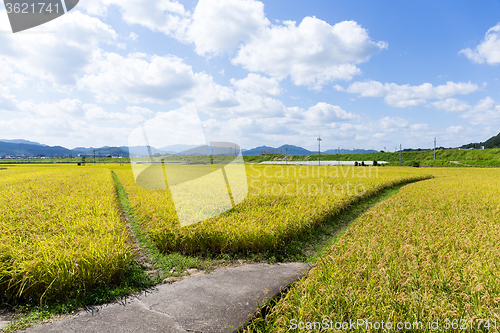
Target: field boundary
{"x": 146, "y": 250}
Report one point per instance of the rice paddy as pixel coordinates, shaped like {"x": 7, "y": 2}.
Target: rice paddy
{"x": 428, "y": 254}
{"x": 61, "y": 232}
{"x": 282, "y": 203}
{"x": 427, "y": 259}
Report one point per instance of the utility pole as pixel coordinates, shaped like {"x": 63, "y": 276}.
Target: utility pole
{"x": 339, "y": 154}
{"x": 94, "y": 156}
{"x": 319, "y": 150}
{"x": 286, "y": 155}
{"x": 400, "y": 154}
{"x": 434, "y": 148}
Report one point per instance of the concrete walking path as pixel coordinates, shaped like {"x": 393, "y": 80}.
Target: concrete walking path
{"x": 217, "y": 302}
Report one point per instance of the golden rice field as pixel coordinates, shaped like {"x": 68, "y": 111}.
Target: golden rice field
{"x": 282, "y": 203}
{"x": 60, "y": 231}
{"x": 429, "y": 255}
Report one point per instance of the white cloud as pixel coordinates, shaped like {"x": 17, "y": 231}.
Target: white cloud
{"x": 419, "y": 127}
{"x": 485, "y": 112}
{"x": 406, "y": 95}
{"x": 323, "y": 113}
{"x": 71, "y": 122}
{"x": 137, "y": 78}
{"x": 258, "y": 84}
{"x": 133, "y": 36}
{"x": 391, "y": 124}
{"x": 489, "y": 49}
{"x": 7, "y": 100}
{"x": 221, "y": 25}
{"x": 455, "y": 130}
{"x": 59, "y": 56}
{"x": 251, "y": 104}
{"x": 292, "y": 127}
{"x": 451, "y": 105}
{"x": 64, "y": 108}
{"x": 76, "y": 110}
{"x": 312, "y": 53}
{"x": 168, "y": 17}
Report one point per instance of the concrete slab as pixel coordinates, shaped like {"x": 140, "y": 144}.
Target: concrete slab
{"x": 4, "y": 319}
{"x": 216, "y": 302}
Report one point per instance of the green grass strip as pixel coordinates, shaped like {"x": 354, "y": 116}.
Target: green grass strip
{"x": 163, "y": 265}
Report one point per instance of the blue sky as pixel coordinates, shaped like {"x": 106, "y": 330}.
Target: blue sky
{"x": 363, "y": 74}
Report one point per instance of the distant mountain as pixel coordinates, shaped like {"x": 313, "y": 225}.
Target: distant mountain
{"x": 23, "y": 142}
{"x": 33, "y": 149}
{"x": 197, "y": 150}
{"x": 256, "y": 151}
{"x": 28, "y": 148}
{"x": 173, "y": 149}
{"x": 19, "y": 149}
{"x": 294, "y": 150}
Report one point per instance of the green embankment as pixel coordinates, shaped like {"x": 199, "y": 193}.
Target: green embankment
{"x": 444, "y": 157}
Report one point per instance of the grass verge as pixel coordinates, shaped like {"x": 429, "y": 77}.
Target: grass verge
{"x": 160, "y": 265}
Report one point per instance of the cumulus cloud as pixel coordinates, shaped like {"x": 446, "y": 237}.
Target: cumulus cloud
{"x": 327, "y": 113}
{"x": 312, "y": 53}
{"x": 419, "y": 127}
{"x": 488, "y": 50}
{"x": 76, "y": 110}
{"x": 391, "y": 124}
{"x": 221, "y": 25}
{"x": 294, "y": 123}
{"x": 485, "y": 112}
{"x": 168, "y": 17}
{"x": 455, "y": 129}
{"x": 7, "y": 99}
{"x": 137, "y": 78}
{"x": 60, "y": 56}
{"x": 64, "y": 108}
{"x": 71, "y": 122}
{"x": 405, "y": 95}
{"x": 258, "y": 84}
{"x": 451, "y": 105}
